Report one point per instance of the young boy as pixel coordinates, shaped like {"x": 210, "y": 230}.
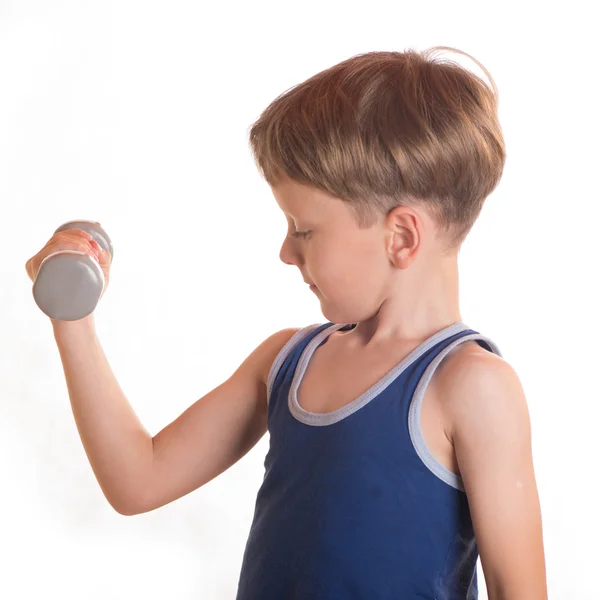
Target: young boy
{"x": 400, "y": 444}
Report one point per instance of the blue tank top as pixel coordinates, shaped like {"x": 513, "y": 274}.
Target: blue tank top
{"x": 353, "y": 506}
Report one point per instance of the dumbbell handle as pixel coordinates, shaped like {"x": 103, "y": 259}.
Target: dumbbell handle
{"x": 69, "y": 283}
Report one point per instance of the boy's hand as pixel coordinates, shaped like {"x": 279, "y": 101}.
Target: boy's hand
{"x": 71, "y": 239}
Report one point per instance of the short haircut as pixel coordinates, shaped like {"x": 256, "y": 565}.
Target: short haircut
{"x": 384, "y": 129}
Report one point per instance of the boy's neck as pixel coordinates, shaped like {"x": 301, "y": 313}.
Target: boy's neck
{"x": 419, "y": 303}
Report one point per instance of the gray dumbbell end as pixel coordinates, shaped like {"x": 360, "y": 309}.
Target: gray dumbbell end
{"x": 70, "y": 283}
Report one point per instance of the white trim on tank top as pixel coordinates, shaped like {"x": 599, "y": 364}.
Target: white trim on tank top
{"x": 414, "y": 424}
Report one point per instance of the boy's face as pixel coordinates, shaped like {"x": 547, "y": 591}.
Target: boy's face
{"x": 348, "y": 266}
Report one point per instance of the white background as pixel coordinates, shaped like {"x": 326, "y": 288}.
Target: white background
{"x": 135, "y": 114}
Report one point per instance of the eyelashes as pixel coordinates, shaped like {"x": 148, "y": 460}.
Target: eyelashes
{"x": 300, "y": 234}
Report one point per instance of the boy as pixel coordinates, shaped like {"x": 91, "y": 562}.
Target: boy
{"x": 400, "y": 445}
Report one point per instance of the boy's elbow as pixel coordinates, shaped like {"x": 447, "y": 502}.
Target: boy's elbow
{"x": 122, "y": 508}
{"x": 126, "y": 511}
{"x": 134, "y": 504}
{"x": 126, "y": 506}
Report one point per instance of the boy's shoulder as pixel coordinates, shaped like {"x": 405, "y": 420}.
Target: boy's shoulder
{"x": 465, "y": 374}
{"x": 272, "y": 346}
{"x": 469, "y": 359}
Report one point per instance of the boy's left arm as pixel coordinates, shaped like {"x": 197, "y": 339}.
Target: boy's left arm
{"x": 490, "y": 428}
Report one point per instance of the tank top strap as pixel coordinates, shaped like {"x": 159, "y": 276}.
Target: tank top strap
{"x": 424, "y": 374}
{"x": 303, "y": 336}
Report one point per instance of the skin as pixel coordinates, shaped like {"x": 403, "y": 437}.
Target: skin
{"x": 392, "y": 279}
{"x": 396, "y": 283}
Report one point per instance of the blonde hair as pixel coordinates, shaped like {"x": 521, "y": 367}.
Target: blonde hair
{"x": 384, "y": 129}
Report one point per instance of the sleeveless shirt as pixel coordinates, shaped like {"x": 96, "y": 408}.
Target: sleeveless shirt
{"x": 353, "y": 505}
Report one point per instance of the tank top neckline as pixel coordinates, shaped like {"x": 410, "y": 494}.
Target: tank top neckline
{"x": 328, "y": 418}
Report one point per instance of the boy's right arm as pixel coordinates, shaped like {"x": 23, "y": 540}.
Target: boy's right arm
{"x": 137, "y": 472}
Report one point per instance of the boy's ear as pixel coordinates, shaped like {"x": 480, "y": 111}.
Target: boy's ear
{"x": 404, "y": 235}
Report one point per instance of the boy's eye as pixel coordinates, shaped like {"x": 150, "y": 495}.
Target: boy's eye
{"x": 299, "y": 234}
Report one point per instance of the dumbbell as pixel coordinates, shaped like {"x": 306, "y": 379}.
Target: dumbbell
{"x": 69, "y": 283}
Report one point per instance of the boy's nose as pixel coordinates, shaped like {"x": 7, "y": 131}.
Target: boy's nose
{"x": 288, "y": 255}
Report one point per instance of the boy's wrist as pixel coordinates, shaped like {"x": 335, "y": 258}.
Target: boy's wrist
{"x": 86, "y": 324}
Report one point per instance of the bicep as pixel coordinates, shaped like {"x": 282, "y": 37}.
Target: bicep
{"x": 213, "y": 433}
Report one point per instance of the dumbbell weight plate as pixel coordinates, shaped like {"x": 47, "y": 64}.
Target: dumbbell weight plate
{"x": 70, "y": 283}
